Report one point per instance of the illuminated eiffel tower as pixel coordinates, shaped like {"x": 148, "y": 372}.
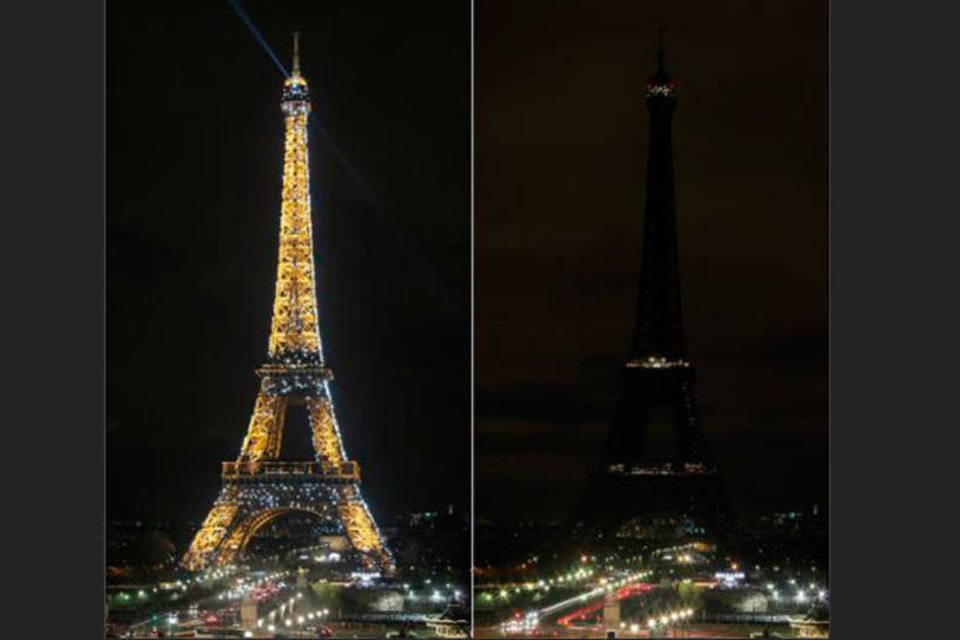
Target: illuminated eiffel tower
{"x": 258, "y": 487}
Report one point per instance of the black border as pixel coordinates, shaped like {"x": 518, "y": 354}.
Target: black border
{"x": 892, "y": 269}
{"x": 53, "y": 319}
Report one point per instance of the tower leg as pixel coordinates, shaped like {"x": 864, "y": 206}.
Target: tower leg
{"x": 266, "y": 429}
{"x": 363, "y": 532}
{"x": 208, "y": 539}
{"x": 326, "y": 436}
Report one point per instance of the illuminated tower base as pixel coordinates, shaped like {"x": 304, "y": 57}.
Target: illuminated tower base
{"x": 254, "y": 494}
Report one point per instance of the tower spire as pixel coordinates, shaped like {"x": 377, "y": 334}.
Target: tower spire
{"x": 294, "y": 333}
{"x": 661, "y": 68}
{"x": 661, "y": 77}
{"x": 658, "y": 334}
{"x": 296, "y": 53}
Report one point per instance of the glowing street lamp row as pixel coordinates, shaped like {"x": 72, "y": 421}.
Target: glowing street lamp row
{"x": 669, "y": 618}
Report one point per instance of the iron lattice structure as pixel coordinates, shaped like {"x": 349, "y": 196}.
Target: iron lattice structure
{"x": 629, "y": 486}
{"x": 258, "y": 487}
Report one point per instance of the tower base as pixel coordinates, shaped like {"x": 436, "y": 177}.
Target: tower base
{"x": 649, "y": 502}
{"x": 256, "y": 493}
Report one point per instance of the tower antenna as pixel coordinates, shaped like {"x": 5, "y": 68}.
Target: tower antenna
{"x": 296, "y": 52}
{"x": 661, "y": 67}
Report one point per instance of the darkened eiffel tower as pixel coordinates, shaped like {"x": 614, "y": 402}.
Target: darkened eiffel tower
{"x": 654, "y": 476}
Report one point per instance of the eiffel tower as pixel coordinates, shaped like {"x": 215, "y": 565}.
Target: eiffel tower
{"x": 654, "y": 472}
{"x": 258, "y": 487}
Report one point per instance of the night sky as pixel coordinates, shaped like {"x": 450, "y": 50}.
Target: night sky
{"x": 561, "y": 138}
{"x": 194, "y": 159}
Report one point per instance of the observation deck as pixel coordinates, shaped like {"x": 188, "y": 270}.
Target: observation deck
{"x": 346, "y": 472}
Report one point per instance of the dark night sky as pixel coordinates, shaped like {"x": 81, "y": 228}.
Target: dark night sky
{"x": 194, "y": 154}
{"x": 561, "y": 142}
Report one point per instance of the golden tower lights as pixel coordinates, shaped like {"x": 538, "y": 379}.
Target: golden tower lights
{"x": 258, "y": 487}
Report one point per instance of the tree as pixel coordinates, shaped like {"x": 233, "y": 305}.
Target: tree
{"x": 690, "y": 595}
